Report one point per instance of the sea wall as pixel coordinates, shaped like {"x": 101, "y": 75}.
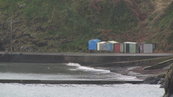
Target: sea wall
{"x": 31, "y": 58}
{"x": 82, "y": 58}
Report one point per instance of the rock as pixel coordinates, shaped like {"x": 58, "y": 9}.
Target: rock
{"x": 169, "y": 83}
{"x": 154, "y": 80}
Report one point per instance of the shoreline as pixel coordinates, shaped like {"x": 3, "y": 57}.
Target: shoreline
{"x": 127, "y": 66}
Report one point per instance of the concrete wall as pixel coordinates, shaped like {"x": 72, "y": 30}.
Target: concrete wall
{"x": 31, "y": 58}
{"x": 85, "y": 59}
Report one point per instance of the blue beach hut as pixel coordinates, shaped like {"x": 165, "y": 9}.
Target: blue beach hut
{"x": 92, "y": 44}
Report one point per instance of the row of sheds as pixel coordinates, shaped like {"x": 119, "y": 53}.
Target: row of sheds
{"x": 126, "y": 47}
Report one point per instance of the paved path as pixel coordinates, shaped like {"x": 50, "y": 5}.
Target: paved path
{"x": 91, "y": 54}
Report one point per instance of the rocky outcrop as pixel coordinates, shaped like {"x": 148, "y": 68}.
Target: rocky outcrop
{"x": 169, "y": 83}
{"x": 155, "y": 79}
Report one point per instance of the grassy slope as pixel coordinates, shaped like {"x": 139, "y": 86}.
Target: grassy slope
{"x": 67, "y": 25}
{"x": 163, "y": 30}
{"x": 56, "y": 25}
{"x": 166, "y": 23}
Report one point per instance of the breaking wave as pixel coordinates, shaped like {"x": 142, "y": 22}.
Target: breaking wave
{"x": 85, "y": 68}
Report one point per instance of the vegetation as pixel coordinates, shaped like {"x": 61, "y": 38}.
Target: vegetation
{"x": 164, "y": 34}
{"x": 67, "y": 25}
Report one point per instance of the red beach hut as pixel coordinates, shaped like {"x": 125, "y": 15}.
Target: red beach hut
{"x": 117, "y": 48}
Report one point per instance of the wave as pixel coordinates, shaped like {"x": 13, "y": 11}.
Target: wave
{"x": 109, "y": 74}
{"x": 85, "y": 68}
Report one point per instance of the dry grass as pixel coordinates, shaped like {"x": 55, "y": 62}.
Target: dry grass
{"x": 160, "y": 6}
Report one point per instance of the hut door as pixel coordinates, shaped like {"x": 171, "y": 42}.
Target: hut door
{"x": 117, "y": 48}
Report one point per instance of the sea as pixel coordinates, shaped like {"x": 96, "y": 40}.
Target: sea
{"x": 69, "y": 71}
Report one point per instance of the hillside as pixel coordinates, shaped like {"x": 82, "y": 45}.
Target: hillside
{"x": 67, "y": 25}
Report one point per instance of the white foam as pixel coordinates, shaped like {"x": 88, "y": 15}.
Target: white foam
{"x": 85, "y": 68}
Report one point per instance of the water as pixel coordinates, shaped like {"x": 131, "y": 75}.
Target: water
{"x": 125, "y": 90}
{"x": 57, "y": 71}
{"x": 69, "y": 71}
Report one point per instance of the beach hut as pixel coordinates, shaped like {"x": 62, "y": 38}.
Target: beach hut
{"x": 148, "y": 48}
{"x": 92, "y": 44}
{"x": 133, "y": 47}
{"x": 121, "y": 48}
{"x": 118, "y": 48}
{"x": 145, "y": 48}
{"x": 111, "y": 45}
{"x": 108, "y": 46}
{"x": 101, "y": 46}
{"x": 130, "y": 47}
{"x": 126, "y": 48}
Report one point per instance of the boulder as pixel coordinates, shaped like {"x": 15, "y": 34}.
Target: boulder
{"x": 169, "y": 83}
